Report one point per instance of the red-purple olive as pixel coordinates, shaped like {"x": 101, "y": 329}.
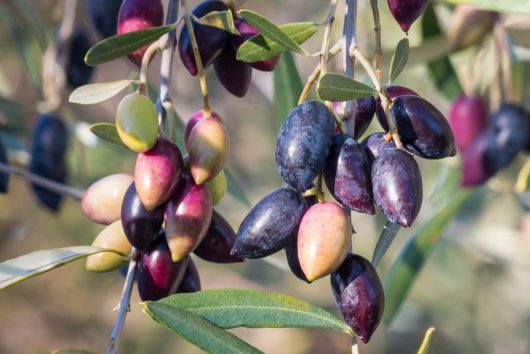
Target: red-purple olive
{"x": 406, "y": 11}
{"x": 194, "y": 119}
{"x": 468, "y": 118}
{"x": 233, "y": 74}
{"x": 248, "y": 31}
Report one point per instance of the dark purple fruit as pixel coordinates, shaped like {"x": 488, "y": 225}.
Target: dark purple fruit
{"x": 270, "y": 225}
{"x": 291, "y": 252}
{"x": 191, "y": 282}
{"x": 406, "y": 11}
{"x": 359, "y": 295}
{"x": 140, "y": 226}
{"x": 233, "y": 74}
{"x": 48, "y": 157}
{"x": 347, "y": 175}
{"x": 393, "y": 92}
{"x": 397, "y": 186}
{"x": 474, "y": 169}
{"x": 219, "y": 240}
{"x": 210, "y": 40}
{"x": 362, "y": 114}
{"x": 158, "y": 275}
{"x": 303, "y": 144}
{"x": 135, "y": 15}
{"x": 248, "y": 31}
{"x": 468, "y": 118}
{"x": 4, "y": 177}
{"x": 375, "y": 144}
{"x": 77, "y": 72}
{"x": 423, "y": 129}
{"x": 104, "y": 15}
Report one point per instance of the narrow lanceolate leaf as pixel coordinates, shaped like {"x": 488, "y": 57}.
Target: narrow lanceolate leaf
{"x": 220, "y": 19}
{"x": 414, "y": 254}
{"x": 261, "y": 47}
{"x": 400, "y": 58}
{"x": 514, "y": 6}
{"x": 287, "y": 86}
{"x": 269, "y": 29}
{"x": 425, "y": 347}
{"x": 95, "y": 93}
{"x": 234, "y": 187}
{"x": 197, "y": 330}
{"x": 16, "y": 270}
{"x": 232, "y": 308}
{"x": 336, "y": 87}
{"x": 107, "y": 132}
{"x": 120, "y": 45}
{"x": 385, "y": 240}
{"x": 441, "y": 69}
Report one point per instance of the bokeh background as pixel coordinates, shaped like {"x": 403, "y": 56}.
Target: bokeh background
{"x": 475, "y": 285}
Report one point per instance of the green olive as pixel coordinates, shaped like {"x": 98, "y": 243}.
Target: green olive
{"x": 217, "y": 187}
{"x": 137, "y": 122}
{"x": 112, "y": 237}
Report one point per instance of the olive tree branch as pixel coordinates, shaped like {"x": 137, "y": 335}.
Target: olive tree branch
{"x": 349, "y": 41}
{"x": 377, "y": 32}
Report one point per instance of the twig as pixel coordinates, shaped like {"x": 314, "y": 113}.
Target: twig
{"x": 198, "y": 60}
{"x": 123, "y": 306}
{"x": 43, "y": 182}
{"x": 168, "y": 42}
{"x": 327, "y": 34}
{"x": 354, "y": 346}
{"x": 377, "y": 32}
{"x": 349, "y": 42}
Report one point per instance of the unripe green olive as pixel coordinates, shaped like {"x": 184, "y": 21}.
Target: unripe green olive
{"x": 137, "y": 122}
{"x": 217, "y": 187}
{"x": 112, "y": 237}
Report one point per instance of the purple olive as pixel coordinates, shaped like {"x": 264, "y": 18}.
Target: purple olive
{"x": 104, "y": 15}
{"x": 468, "y": 118}
{"x": 359, "y": 295}
{"x": 374, "y": 145}
{"x": 248, "y": 31}
{"x": 397, "y": 186}
{"x": 303, "y": 144}
{"x": 406, "y": 11}
{"x": 474, "y": 169}
{"x": 423, "y": 129}
{"x": 191, "y": 282}
{"x": 270, "y": 225}
{"x": 233, "y": 74}
{"x": 210, "y": 40}
{"x": 158, "y": 275}
{"x": 393, "y": 92}
{"x": 78, "y": 73}
{"x": 4, "y": 177}
{"x": 362, "y": 114}
{"x": 347, "y": 175}
{"x": 140, "y": 225}
{"x": 219, "y": 240}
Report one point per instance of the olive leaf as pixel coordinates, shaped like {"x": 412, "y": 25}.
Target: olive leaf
{"x": 234, "y": 187}
{"x": 336, "y": 87}
{"x": 95, "y": 93}
{"x": 261, "y": 47}
{"x": 390, "y": 231}
{"x": 16, "y": 270}
{"x": 399, "y": 59}
{"x": 287, "y": 86}
{"x": 120, "y": 45}
{"x": 514, "y": 6}
{"x": 269, "y": 29}
{"x": 107, "y": 132}
{"x": 219, "y": 19}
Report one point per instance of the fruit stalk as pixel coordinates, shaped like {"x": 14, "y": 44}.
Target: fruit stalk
{"x": 151, "y": 50}
{"x": 43, "y": 182}
{"x": 349, "y": 41}
{"x": 123, "y": 306}
{"x": 377, "y": 32}
{"x": 198, "y": 60}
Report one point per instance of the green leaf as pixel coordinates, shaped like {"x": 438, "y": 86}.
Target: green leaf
{"x": 399, "y": 59}
{"x": 72, "y": 351}
{"x": 198, "y": 331}
{"x": 336, "y": 87}
{"x": 95, "y": 93}
{"x": 219, "y": 19}
{"x": 441, "y": 69}
{"x": 107, "y": 132}
{"x": 261, "y": 47}
{"x": 11, "y": 114}
{"x": 414, "y": 254}
{"x": 232, "y": 308}
{"x": 16, "y": 270}
{"x": 120, "y": 45}
{"x": 425, "y": 347}
{"x": 390, "y": 231}
{"x": 514, "y": 6}
{"x": 234, "y": 188}
{"x": 269, "y": 29}
{"x": 287, "y": 86}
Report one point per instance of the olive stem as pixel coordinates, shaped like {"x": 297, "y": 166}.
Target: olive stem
{"x": 198, "y": 60}
{"x": 349, "y": 41}
{"x": 377, "y": 32}
{"x": 123, "y": 306}
{"x": 327, "y": 35}
{"x": 146, "y": 59}
{"x": 316, "y": 72}
{"x": 43, "y": 182}
{"x": 168, "y": 42}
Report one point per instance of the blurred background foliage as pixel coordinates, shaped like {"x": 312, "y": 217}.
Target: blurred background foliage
{"x": 473, "y": 289}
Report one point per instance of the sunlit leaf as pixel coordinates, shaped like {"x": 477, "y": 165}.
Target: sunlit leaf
{"x": 220, "y": 19}
{"x": 107, "y": 132}
{"x": 390, "y": 231}
{"x": 336, "y": 87}
{"x": 95, "y": 93}
{"x": 399, "y": 59}
{"x": 287, "y": 86}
